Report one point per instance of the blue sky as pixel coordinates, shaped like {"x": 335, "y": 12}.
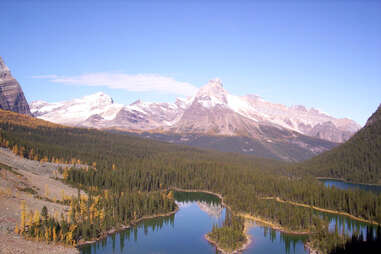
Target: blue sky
{"x": 322, "y": 54}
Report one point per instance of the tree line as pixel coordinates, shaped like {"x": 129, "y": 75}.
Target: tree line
{"x": 90, "y": 217}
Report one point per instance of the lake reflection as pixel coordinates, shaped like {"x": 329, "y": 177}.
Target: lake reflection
{"x": 347, "y": 226}
{"x": 184, "y": 232}
{"x": 267, "y": 241}
{"x": 344, "y": 224}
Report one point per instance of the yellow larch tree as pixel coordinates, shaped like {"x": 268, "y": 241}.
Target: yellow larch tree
{"x": 65, "y": 173}
{"x": 23, "y": 216}
{"x": 83, "y": 208}
{"x": 36, "y": 218}
{"x": 47, "y": 234}
{"x": 101, "y": 216}
{"x": 54, "y": 234}
{"x": 170, "y": 195}
{"x": 30, "y": 219}
{"x": 63, "y": 195}
{"x": 71, "y": 212}
{"x": 15, "y": 149}
{"x": 17, "y": 229}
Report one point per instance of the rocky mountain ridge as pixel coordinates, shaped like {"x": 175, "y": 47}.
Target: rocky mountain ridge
{"x": 211, "y": 111}
{"x": 11, "y": 95}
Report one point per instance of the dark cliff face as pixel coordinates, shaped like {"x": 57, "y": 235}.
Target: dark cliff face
{"x": 11, "y": 95}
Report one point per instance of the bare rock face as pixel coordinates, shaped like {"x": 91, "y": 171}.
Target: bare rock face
{"x": 329, "y": 131}
{"x": 209, "y": 113}
{"x": 11, "y": 95}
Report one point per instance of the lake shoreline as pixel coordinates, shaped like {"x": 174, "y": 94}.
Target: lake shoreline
{"x": 272, "y": 224}
{"x": 246, "y": 216}
{"x": 124, "y": 227}
{"x": 345, "y": 181}
{"x": 249, "y": 216}
{"x": 269, "y": 223}
{"x": 240, "y": 249}
{"x": 247, "y": 235}
{"x": 328, "y": 211}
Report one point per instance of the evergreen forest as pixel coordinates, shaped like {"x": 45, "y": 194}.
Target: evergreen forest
{"x": 128, "y": 178}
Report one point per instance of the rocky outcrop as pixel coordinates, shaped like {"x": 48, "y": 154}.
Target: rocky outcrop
{"x": 329, "y": 131}
{"x": 11, "y": 95}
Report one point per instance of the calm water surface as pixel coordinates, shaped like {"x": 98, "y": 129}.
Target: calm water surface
{"x": 184, "y": 232}
{"x": 342, "y": 223}
{"x": 344, "y": 185}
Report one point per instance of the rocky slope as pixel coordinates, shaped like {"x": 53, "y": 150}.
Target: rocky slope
{"x": 19, "y": 177}
{"x": 11, "y": 95}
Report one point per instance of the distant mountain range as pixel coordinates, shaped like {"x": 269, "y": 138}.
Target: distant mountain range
{"x": 212, "y": 118}
{"x": 215, "y": 119}
{"x": 211, "y": 111}
{"x": 11, "y": 95}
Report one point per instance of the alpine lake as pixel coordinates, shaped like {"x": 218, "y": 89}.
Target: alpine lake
{"x": 184, "y": 231}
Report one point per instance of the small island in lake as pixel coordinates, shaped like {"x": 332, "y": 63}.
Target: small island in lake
{"x": 231, "y": 236}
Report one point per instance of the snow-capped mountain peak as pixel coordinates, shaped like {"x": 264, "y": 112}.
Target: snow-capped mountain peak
{"x": 75, "y": 111}
{"x": 211, "y": 110}
{"x": 213, "y": 88}
{"x": 212, "y": 94}
{"x": 99, "y": 98}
